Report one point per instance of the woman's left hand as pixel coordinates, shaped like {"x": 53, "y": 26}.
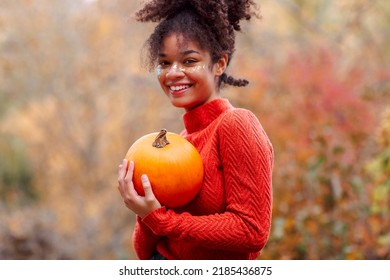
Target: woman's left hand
{"x": 141, "y": 205}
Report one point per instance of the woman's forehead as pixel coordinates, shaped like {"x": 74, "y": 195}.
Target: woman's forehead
{"x": 180, "y": 42}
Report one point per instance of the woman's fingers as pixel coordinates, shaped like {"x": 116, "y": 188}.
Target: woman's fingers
{"x": 125, "y": 179}
{"x": 149, "y": 196}
{"x": 130, "y": 171}
{"x": 150, "y": 200}
{"x": 122, "y": 170}
{"x": 141, "y": 205}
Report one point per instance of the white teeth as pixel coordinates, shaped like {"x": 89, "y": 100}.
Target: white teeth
{"x": 175, "y": 88}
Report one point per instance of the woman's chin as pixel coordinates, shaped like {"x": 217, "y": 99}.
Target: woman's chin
{"x": 184, "y": 103}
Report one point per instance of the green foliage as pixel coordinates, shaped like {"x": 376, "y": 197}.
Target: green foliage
{"x": 379, "y": 168}
{"x": 16, "y": 173}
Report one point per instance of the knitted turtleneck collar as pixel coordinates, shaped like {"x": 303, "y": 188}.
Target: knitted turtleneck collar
{"x": 200, "y": 117}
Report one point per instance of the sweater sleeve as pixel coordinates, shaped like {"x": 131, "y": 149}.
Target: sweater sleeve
{"x": 247, "y": 159}
{"x": 144, "y": 240}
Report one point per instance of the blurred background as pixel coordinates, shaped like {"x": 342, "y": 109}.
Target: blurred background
{"x": 74, "y": 96}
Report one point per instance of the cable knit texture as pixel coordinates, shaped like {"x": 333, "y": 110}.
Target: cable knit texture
{"x": 231, "y": 216}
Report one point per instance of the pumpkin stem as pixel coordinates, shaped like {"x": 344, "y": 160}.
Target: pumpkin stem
{"x": 161, "y": 139}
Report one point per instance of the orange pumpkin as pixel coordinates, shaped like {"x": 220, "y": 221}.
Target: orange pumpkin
{"x": 173, "y": 165}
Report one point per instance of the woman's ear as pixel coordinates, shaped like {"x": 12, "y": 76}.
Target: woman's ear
{"x": 222, "y": 64}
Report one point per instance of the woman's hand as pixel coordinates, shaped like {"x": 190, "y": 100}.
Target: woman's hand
{"x": 141, "y": 205}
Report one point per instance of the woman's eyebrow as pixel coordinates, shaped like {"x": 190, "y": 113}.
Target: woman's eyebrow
{"x": 190, "y": 52}
{"x": 161, "y": 54}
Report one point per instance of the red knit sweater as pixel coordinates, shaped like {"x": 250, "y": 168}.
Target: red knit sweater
{"x": 231, "y": 216}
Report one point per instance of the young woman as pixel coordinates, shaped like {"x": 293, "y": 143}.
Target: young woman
{"x": 230, "y": 218}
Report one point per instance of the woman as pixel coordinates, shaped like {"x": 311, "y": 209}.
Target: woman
{"x": 230, "y": 218}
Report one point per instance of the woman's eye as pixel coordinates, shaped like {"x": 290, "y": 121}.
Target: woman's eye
{"x": 163, "y": 63}
{"x": 189, "y": 61}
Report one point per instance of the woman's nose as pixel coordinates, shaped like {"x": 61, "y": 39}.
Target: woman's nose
{"x": 174, "y": 72}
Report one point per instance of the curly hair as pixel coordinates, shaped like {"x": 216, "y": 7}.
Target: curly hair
{"x": 211, "y": 23}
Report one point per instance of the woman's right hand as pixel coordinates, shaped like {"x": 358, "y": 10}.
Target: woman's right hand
{"x": 140, "y": 205}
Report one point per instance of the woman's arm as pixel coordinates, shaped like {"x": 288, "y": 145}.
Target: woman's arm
{"x": 144, "y": 240}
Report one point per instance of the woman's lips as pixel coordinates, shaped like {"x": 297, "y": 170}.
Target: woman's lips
{"x": 178, "y": 89}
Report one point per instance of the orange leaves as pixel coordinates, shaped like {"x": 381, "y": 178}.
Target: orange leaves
{"x": 322, "y": 129}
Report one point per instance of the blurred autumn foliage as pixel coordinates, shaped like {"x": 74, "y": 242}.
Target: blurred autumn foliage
{"x": 74, "y": 96}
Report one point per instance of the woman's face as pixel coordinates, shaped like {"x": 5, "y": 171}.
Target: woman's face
{"x": 186, "y": 73}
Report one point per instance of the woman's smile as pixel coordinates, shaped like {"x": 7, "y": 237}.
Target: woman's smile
{"x": 178, "y": 89}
